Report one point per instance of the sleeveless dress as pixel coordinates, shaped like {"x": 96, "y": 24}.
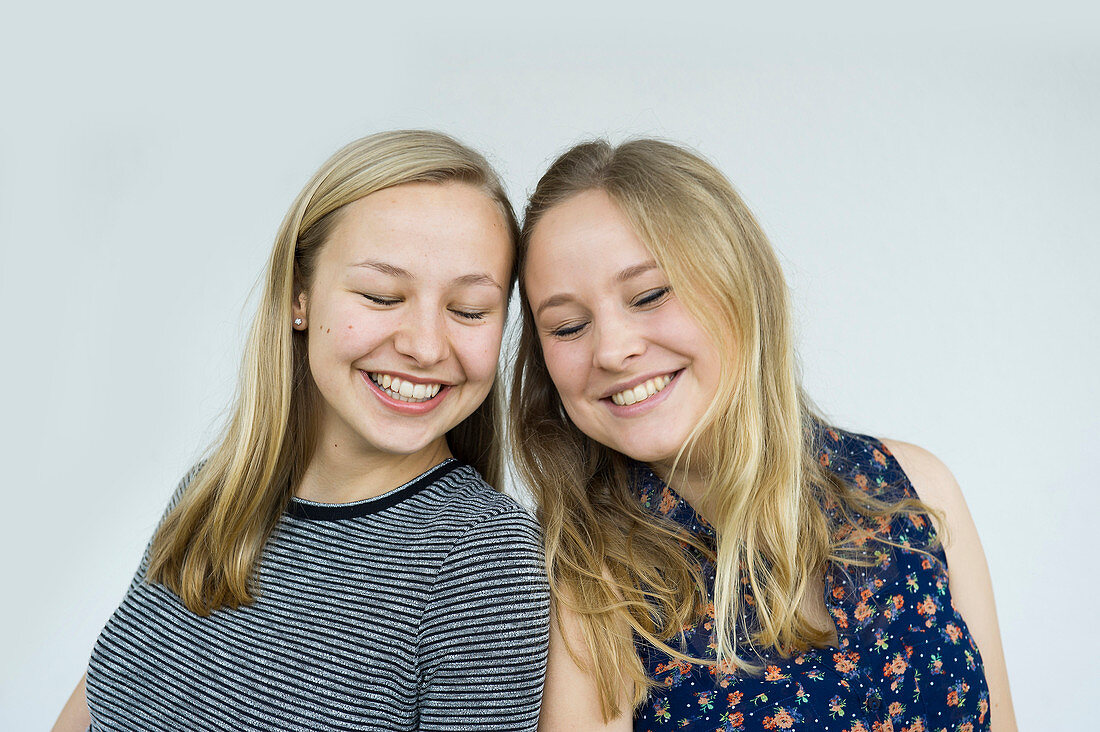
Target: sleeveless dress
{"x": 905, "y": 661}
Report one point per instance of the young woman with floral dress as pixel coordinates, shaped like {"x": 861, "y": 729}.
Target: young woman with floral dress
{"x": 719, "y": 556}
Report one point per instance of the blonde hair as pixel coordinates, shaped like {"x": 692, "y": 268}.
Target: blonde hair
{"x": 611, "y": 561}
{"x": 207, "y": 547}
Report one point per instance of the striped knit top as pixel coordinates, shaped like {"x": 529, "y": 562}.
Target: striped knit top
{"x": 423, "y": 608}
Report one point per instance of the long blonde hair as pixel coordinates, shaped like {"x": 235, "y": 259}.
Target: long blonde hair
{"x": 609, "y": 560}
{"x": 207, "y": 547}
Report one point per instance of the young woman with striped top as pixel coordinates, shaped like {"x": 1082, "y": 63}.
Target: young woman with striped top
{"x": 339, "y": 560}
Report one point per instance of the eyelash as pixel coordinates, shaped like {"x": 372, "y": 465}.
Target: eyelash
{"x": 380, "y": 300}
{"x": 467, "y": 314}
{"x": 647, "y": 299}
{"x": 652, "y": 297}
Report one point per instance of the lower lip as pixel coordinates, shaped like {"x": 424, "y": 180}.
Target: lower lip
{"x": 413, "y": 408}
{"x": 638, "y": 408}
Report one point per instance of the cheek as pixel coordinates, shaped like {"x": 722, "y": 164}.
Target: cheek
{"x": 344, "y": 333}
{"x": 478, "y": 350}
{"x": 565, "y": 363}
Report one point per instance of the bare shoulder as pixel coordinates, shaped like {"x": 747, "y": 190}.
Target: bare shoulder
{"x": 931, "y": 479}
{"x": 971, "y": 587}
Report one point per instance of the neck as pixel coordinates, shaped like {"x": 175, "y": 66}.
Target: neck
{"x": 339, "y": 473}
{"x": 689, "y": 483}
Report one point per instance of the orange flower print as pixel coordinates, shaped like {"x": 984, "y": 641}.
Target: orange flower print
{"x": 784, "y": 719}
{"x": 824, "y": 459}
{"x": 863, "y": 611}
{"x": 927, "y": 606}
{"x": 983, "y": 709}
{"x": 952, "y": 632}
{"x": 899, "y": 602}
{"x": 840, "y": 617}
{"x": 879, "y": 457}
{"x": 952, "y": 698}
{"x": 838, "y": 592}
{"x": 861, "y": 536}
{"x": 857, "y": 726}
{"x": 732, "y": 720}
{"x": 772, "y": 673}
{"x": 861, "y": 480}
{"x": 734, "y": 698}
{"x": 896, "y": 709}
{"x": 723, "y": 668}
{"x": 916, "y": 726}
{"x": 845, "y": 662}
{"x": 966, "y": 727}
{"x": 896, "y": 667}
{"x": 884, "y": 726}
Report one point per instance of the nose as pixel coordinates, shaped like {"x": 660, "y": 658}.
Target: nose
{"x": 422, "y": 337}
{"x": 617, "y": 342}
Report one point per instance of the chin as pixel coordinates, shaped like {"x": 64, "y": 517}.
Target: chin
{"x": 648, "y": 453}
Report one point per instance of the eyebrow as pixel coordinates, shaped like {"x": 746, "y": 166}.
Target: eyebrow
{"x": 638, "y": 269}
{"x": 392, "y": 270}
{"x": 622, "y": 276}
{"x": 385, "y": 268}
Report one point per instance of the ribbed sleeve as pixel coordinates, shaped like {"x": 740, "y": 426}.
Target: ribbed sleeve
{"x": 483, "y": 637}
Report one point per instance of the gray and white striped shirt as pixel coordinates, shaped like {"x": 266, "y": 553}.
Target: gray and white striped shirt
{"x": 424, "y": 608}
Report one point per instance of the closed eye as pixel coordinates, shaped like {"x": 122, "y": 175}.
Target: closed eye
{"x": 652, "y": 297}
{"x": 379, "y": 300}
{"x": 568, "y": 330}
{"x": 470, "y": 314}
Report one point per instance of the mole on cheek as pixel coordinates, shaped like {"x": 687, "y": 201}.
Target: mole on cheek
{"x": 328, "y": 330}
{"x": 350, "y": 327}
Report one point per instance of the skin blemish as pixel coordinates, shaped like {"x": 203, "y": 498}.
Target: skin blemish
{"x": 328, "y": 330}
{"x": 350, "y": 327}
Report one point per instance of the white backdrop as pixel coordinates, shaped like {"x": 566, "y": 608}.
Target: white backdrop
{"x": 930, "y": 179}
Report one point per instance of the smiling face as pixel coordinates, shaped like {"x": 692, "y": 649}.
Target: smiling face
{"x": 404, "y": 315}
{"x": 633, "y": 368}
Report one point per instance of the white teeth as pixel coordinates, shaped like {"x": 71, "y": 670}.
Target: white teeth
{"x": 405, "y": 391}
{"x": 641, "y": 392}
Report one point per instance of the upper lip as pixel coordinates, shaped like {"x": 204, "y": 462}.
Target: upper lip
{"x": 407, "y": 377}
{"x": 623, "y": 386}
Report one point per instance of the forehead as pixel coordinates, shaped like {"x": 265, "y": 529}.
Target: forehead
{"x": 587, "y": 237}
{"x": 437, "y": 227}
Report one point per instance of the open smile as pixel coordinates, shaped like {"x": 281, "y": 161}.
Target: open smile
{"x": 405, "y": 390}
{"x": 403, "y": 395}
{"x": 642, "y": 395}
{"x": 643, "y": 391}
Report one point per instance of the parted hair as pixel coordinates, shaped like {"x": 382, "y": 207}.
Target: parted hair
{"x": 207, "y": 547}
{"x": 618, "y": 567}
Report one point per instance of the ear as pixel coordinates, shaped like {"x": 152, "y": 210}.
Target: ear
{"x": 301, "y": 311}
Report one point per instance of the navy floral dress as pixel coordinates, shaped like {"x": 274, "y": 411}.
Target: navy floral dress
{"x": 905, "y": 661}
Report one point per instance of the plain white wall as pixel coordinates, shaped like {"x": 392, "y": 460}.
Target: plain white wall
{"x": 930, "y": 179}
